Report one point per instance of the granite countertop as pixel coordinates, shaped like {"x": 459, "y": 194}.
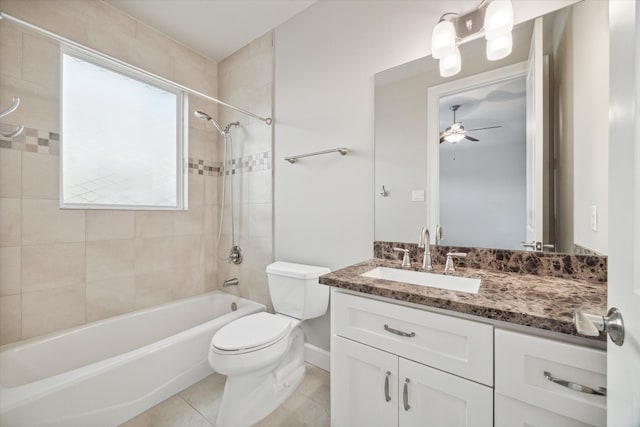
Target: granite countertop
{"x": 542, "y": 302}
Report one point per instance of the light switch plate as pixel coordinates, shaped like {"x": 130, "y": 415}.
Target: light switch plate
{"x": 417, "y": 196}
{"x": 594, "y": 217}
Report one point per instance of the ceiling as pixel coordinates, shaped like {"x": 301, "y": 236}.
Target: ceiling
{"x": 213, "y": 28}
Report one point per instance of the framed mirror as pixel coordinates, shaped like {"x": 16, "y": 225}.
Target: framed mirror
{"x": 425, "y": 186}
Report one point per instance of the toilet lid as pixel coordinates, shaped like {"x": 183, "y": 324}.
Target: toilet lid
{"x": 251, "y": 331}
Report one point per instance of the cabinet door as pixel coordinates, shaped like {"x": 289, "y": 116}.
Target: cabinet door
{"x": 436, "y": 398}
{"x": 514, "y": 413}
{"x": 364, "y": 385}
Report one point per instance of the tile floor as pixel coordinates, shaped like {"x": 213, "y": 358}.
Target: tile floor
{"x": 197, "y": 406}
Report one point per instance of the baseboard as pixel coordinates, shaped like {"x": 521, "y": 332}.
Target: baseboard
{"x": 317, "y": 357}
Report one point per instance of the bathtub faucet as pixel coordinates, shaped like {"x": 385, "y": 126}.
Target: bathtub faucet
{"x": 231, "y": 282}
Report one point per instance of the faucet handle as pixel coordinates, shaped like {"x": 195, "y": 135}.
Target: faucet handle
{"x": 449, "y": 265}
{"x": 405, "y": 259}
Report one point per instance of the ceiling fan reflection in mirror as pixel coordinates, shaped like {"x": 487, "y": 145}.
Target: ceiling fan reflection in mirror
{"x": 456, "y": 132}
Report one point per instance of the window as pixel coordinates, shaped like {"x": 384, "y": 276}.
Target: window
{"x": 122, "y": 137}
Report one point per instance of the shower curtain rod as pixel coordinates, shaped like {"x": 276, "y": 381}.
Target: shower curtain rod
{"x": 71, "y": 43}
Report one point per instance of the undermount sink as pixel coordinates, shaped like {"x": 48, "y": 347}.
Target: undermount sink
{"x": 452, "y": 283}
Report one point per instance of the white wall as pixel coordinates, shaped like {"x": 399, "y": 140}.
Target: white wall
{"x": 325, "y": 60}
{"x": 591, "y": 124}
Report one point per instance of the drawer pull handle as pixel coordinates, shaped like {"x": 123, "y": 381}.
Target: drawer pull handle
{"x": 405, "y": 395}
{"x": 397, "y": 332}
{"x": 602, "y": 391}
{"x": 387, "y": 396}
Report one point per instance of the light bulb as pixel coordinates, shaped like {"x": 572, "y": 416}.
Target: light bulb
{"x": 498, "y": 19}
{"x": 443, "y": 39}
{"x": 454, "y": 137}
{"x": 499, "y": 48}
{"x": 451, "y": 65}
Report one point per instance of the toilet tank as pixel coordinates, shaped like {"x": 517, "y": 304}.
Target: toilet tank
{"x": 295, "y": 290}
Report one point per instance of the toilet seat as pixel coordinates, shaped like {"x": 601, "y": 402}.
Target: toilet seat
{"x": 250, "y": 333}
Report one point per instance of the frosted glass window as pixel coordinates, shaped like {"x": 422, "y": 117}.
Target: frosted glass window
{"x": 121, "y": 143}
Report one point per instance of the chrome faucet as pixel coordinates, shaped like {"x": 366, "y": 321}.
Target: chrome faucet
{"x": 438, "y": 234}
{"x": 423, "y": 243}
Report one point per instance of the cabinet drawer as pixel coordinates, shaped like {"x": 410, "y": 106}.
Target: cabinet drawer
{"x": 514, "y": 413}
{"x": 522, "y": 361}
{"x": 454, "y": 345}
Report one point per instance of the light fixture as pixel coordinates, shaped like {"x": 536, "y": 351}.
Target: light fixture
{"x": 443, "y": 41}
{"x": 494, "y": 17}
{"x": 498, "y": 19}
{"x": 499, "y": 48}
{"x": 451, "y": 65}
{"x": 454, "y": 137}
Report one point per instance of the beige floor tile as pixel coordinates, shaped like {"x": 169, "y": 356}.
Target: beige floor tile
{"x": 316, "y": 386}
{"x": 305, "y": 408}
{"x": 205, "y": 396}
{"x": 173, "y": 412}
{"x": 310, "y": 413}
{"x": 281, "y": 417}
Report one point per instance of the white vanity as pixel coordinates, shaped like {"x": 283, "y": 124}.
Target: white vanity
{"x": 398, "y": 363}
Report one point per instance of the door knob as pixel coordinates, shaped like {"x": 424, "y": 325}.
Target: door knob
{"x": 591, "y": 325}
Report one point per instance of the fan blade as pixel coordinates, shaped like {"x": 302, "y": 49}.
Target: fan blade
{"x": 490, "y": 127}
{"x": 470, "y": 138}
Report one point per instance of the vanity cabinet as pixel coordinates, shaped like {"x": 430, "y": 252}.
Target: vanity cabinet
{"x": 546, "y": 383}
{"x": 395, "y": 365}
{"x": 398, "y": 366}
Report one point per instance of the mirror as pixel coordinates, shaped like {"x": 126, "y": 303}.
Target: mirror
{"x": 422, "y": 183}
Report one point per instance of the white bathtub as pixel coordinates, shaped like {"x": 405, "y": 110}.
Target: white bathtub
{"x": 105, "y": 372}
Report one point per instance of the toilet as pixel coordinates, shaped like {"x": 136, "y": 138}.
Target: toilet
{"x": 262, "y": 354}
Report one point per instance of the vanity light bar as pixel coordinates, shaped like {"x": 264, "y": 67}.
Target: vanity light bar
{"x": 493, "y": 17}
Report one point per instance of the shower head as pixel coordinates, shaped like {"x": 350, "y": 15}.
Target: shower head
{"x": 204, "y": 116}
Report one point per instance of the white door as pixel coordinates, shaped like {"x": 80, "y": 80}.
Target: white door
{"x": 430, "y": 397}
{"x": 538, "y": 166}
{"x": 364, "y": 385}
{"x": 623, "y": 363}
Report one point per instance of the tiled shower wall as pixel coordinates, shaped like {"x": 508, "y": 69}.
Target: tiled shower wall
{"x": 246, "y": 78}
{"x": 61, "y": 268}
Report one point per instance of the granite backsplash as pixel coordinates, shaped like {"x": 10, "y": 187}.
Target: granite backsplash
{"x": 571, "y": 266}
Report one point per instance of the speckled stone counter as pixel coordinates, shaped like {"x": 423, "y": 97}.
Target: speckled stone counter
{"x": 542, "y": 302}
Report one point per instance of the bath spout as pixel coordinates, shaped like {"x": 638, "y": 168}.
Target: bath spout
{"x": 231, "y": 282}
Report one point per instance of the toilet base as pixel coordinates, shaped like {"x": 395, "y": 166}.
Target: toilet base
{"x": 249, "y": 398}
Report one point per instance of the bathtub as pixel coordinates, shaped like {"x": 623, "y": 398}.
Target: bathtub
{"x": 106, "y": 372}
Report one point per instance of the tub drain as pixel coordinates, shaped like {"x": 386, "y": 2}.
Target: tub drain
{"x": 234, "y": 306}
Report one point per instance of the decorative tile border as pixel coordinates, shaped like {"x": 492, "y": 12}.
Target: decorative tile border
{"x": 204, "y": 167}
{"x": 45, "y": 142}
{"x": 251, "y": 163}
{"x": 33, "y": 141}
{"x": 574, "y": 266}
